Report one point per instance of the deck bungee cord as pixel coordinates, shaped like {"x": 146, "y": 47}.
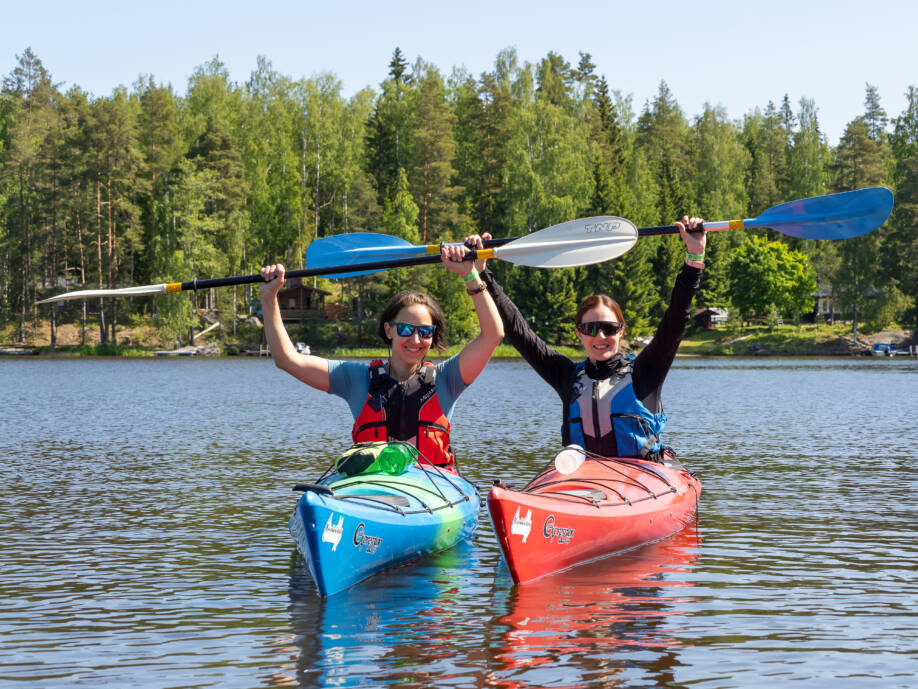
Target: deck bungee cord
{"x": 391, "y": 502}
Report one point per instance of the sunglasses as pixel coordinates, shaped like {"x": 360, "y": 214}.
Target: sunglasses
{"x": 592, "y": 328}
{"x": 425, "y": 332}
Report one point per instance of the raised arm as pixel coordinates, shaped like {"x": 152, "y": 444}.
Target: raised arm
{"x": 553, "y": 367}
{"x": 655, "y": 360}
{"x": 312, "y": 370}
{"x": 475, "y": 355}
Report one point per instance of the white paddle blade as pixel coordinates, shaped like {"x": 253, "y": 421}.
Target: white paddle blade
{"x": 95, "y": 293}
{"x": 574, "y": 243}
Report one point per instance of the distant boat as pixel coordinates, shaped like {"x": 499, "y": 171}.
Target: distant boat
{"x": 889, "y": 349}
{"x": 19, "y": 351}
{"x": 181, "y": 351}
{"x": 302, "y": 348}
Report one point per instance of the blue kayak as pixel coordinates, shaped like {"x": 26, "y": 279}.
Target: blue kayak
{"x": 349, "y": 528}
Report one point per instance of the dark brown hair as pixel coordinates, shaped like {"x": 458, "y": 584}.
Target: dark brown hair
{"x": 405, "y": 298}
{"x": 595, "y": 300}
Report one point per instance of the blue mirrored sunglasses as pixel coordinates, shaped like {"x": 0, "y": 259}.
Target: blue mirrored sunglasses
{"x": 425, "y": 332}
{"x": 592, "y": 328}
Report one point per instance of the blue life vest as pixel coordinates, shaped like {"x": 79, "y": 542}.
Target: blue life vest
{"x": 606, "y": 418}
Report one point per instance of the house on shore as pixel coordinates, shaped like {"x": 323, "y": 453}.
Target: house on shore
{"x": 298, "y": 301}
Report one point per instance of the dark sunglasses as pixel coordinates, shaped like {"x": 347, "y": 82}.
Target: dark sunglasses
{"x": 592, "y": 328}
{"x": 425, "y": 332}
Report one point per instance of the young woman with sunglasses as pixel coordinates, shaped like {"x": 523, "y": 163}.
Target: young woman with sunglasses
{"x": 406, "y": 398}
{"x": 612, "y": 403}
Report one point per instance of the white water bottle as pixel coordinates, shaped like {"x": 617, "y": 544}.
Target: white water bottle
{"x": 569, "y": 459}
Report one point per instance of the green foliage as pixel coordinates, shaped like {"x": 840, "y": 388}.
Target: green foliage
{"x": 767, "y": 276}
{"x": 400, "y": 212}
{"x": 152, "y": 185}
{"x": 886, "y": 308}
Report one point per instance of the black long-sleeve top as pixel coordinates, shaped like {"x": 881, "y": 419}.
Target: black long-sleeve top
{"x": 650, "y": 366}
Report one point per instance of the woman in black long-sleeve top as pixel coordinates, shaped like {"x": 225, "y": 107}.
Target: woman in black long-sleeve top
{"x": 612, "y": 403}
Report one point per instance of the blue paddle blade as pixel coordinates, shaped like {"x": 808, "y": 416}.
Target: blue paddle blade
{"x": 835, "y": 216}
{"x": 358, "y": 247}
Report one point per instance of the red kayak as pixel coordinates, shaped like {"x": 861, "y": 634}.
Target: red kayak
{"x": 605, "y": 506}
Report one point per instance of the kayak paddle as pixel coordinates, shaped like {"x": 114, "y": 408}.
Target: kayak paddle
{"x": 834, "y": 216}
{"x": 573, "y": 243}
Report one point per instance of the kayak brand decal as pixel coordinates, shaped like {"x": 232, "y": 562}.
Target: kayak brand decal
{"x": 367, "y": 544}
{"x": 521, "y": 526}
{"x": 604, "y": 226}
{"x": 559, "y": 534}
{"x": 332, "y": 532}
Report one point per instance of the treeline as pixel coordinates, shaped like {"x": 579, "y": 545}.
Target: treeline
{"x": 147, "y": 186}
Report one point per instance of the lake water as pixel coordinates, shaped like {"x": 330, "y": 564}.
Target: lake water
{"x": 144, "y": 543}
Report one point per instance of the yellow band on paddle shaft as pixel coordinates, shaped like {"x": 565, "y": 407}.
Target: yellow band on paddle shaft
{"x": 173, "y": 287}
{"x": 433, "y": 248}
{"x": 484, "y": 253}
{"x": 737, "y": 224}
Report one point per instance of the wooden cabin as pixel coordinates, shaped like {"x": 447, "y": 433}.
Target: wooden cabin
{"x": 299, "y": 300}
{"x": 710, "y": 318}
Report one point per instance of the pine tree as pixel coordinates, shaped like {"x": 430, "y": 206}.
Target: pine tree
{"x": 860, "y": 161}
{"x": 663, "y": 140}
{"x": 31, "y": 93}
{"x": 900, "y": 250}
{"x": 431, "y": 160}
{"x": 874, "y": 114}
{"x": 388, "y": 137}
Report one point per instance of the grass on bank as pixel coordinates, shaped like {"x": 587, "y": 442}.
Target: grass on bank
{"x": 94, "y": 350}
{"x": 801, "y": 340}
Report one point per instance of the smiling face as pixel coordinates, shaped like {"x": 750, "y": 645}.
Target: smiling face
{"x": 409, "y": 352}
{"x": 600, "y": 347}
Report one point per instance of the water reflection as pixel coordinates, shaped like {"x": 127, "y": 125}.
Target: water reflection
{"x": 404, "y": 624}
{"x": 423, "y": 623}
{"x": 581, "y": 626}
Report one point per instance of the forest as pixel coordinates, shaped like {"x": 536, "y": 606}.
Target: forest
{"x": 147, "y": 185}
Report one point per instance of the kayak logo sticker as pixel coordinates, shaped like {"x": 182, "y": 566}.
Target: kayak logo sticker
{"x": 521, "y": 526}
{"x": 362, "y": 541}
{"x": 602, "y": 226}
{"x": 559, "y": 534}
{"x": 332, "y": 532}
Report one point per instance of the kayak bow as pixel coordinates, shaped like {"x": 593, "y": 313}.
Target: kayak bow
{"x": 605, "y": 506}
{"x": 349, "y": 528}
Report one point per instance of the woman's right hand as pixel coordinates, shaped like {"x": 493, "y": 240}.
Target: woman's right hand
{"x": 273, "y": 279}
{"x": 474, "y": 241}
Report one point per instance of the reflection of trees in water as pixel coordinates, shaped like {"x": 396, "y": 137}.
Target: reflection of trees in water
{"x": 457, "y": 619}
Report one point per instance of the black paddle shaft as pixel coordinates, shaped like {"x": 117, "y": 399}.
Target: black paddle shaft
{"x": 197, "y": 284}
{"x": 664, "y": 229}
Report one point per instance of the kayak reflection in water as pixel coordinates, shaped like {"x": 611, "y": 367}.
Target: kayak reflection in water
{"x": 570, "y": 629}
{"x": 406, "y": 398}
{"x": 612, "y": 403}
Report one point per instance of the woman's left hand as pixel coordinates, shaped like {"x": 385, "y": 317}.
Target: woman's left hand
{"x": 693, "y": 234}
{"x": 451, "y": 255}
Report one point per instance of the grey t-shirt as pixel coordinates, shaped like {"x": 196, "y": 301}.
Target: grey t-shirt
{"x": 351, "y": 381}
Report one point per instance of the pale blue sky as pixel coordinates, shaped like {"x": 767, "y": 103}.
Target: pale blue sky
{"x": 737, "y": 54}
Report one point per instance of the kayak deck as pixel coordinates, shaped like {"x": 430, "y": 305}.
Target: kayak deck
{"x": 606, "y": 506}
{"x": 349, "y": 528}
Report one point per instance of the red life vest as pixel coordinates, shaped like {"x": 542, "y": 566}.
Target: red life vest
{"x": 408, "y": 411}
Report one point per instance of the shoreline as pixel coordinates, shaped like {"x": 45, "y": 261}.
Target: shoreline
{"x": 751, "y": 341}
{"x": 8, "y": 352}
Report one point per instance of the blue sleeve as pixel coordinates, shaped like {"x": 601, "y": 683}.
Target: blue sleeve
{"x": 351, "y": 381}
{"x": 449, "y": 384}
